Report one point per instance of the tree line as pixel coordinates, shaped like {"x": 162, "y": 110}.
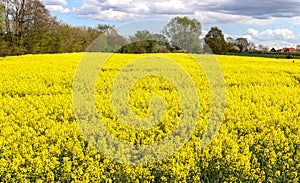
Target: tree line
{"x": 26, "y": 27}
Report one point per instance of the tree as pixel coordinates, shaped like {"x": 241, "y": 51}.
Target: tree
{"x": 2, "y": 17}
{"x": 251, "y": 46}
{"x": 265, "y": 49}
{"x": 145, "y": 42}
{"x": 160, "y": 38}
{"x": 109, "y": 41}
{"x": 230, "y": 40}
{"x": 214, "y": 40}
{"x": 184, "y": 33}
{"x": 231, "y": 47}
{"x": 163, "y": 44}
{"x": 141, "y": 35}
{"x": 142, "y": 42}
{"x": 105, "y": 29}
{"x": 36, "y": 27}
{"x": 25, "y": 25}
{"x": 242, "y": 43}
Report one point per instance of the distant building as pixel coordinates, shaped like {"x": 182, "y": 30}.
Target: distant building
{"x": 288, "y": 50}
{"x": 298, "y": 48}
{"x": 273, "y": 50}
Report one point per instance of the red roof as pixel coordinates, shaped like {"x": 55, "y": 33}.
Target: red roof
{"x": 285, "y": 50}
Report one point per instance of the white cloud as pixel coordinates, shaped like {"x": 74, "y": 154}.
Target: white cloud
{"x": 169, "y": 7}
{"x": 253, "y": 32}
{"x": 248, "y": 37}
{"x": 226, "y": 36}
{"x": 119, "y": 3}
{"x": 89, "y": 8}
{"x": 259, "y": 9}
{"x": 276, "y": 38}
{"x": 57, "y": 8}
{"x": 296, "y": 21}
{"x": 55, "y": 2}
{"x": 116, "y": 15}
{"x": 217, "y": 18}
{"x": 284, "y": 34}
{"x": 204, "y": 32}
{"x": 56, "y": 5}
{"x": 127, "y": 6}
{"x": 211, "y": 11}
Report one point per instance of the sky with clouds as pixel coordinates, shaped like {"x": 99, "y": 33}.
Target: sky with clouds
{"x": 274, "y": 23}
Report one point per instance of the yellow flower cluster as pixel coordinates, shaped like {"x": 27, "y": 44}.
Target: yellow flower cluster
{"x": 258, "y": 141}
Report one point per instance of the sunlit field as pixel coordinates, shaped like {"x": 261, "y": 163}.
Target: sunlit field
{"x": 258, "y": 141}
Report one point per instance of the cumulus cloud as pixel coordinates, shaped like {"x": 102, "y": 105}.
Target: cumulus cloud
{"x": 296, "y": 21}
{"x": 254, "y": 11}
{"x": 218, "y": 18}
{"x": 57, "y": 6}
{"x": 214, "y": 11}
{"x": 260, "y": 9}
{"x": 169, "y": 7}
{"x": 284, "y": 34}
{"x": 89, "y": 8}
{"x": 55, "y": 2}
{"x": 116, "y": 15}
{"x": 253, "y": 32}
{"x": 273, "y": 37}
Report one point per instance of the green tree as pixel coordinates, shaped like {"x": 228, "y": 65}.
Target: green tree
{"x": 230, "y": 40}
{"x": 141, "y": 35}
{"x": 242, "y": 43}
{"x": 215, "y": 41}
{"x": 108, "y": 41}
{"x": 105, "y": 29}
{"x": 25, "y": 25}
{"x": 36, "y": 27}
{"x": 141, "y": 42}
{"x": 231, "y": 47}
{"x": 2, "y": 16}
{"x": 184, "y": 33}
{"x": 251, "y": 46}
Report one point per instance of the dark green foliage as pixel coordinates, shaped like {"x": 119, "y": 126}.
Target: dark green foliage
{"x": 264, "y": 55}
{"x": 215, "y": 41}
{"x": 242, "y": 43}
{"x": 145, "y": 42}
{"x": 146, "y": 46}
{"x": 35, "y": 31}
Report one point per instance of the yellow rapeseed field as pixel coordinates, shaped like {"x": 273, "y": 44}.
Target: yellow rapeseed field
{"x": 41, "y": 141}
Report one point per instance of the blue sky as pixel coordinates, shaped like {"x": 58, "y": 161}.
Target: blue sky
{"x": 272, "y": 23}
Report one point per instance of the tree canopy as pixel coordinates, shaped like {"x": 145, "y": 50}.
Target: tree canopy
{"x": 184, "y": 33}
{"x": 215, "y": 41}
{"x": 26, "y": 26}
{"x": 242, "y": 43}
